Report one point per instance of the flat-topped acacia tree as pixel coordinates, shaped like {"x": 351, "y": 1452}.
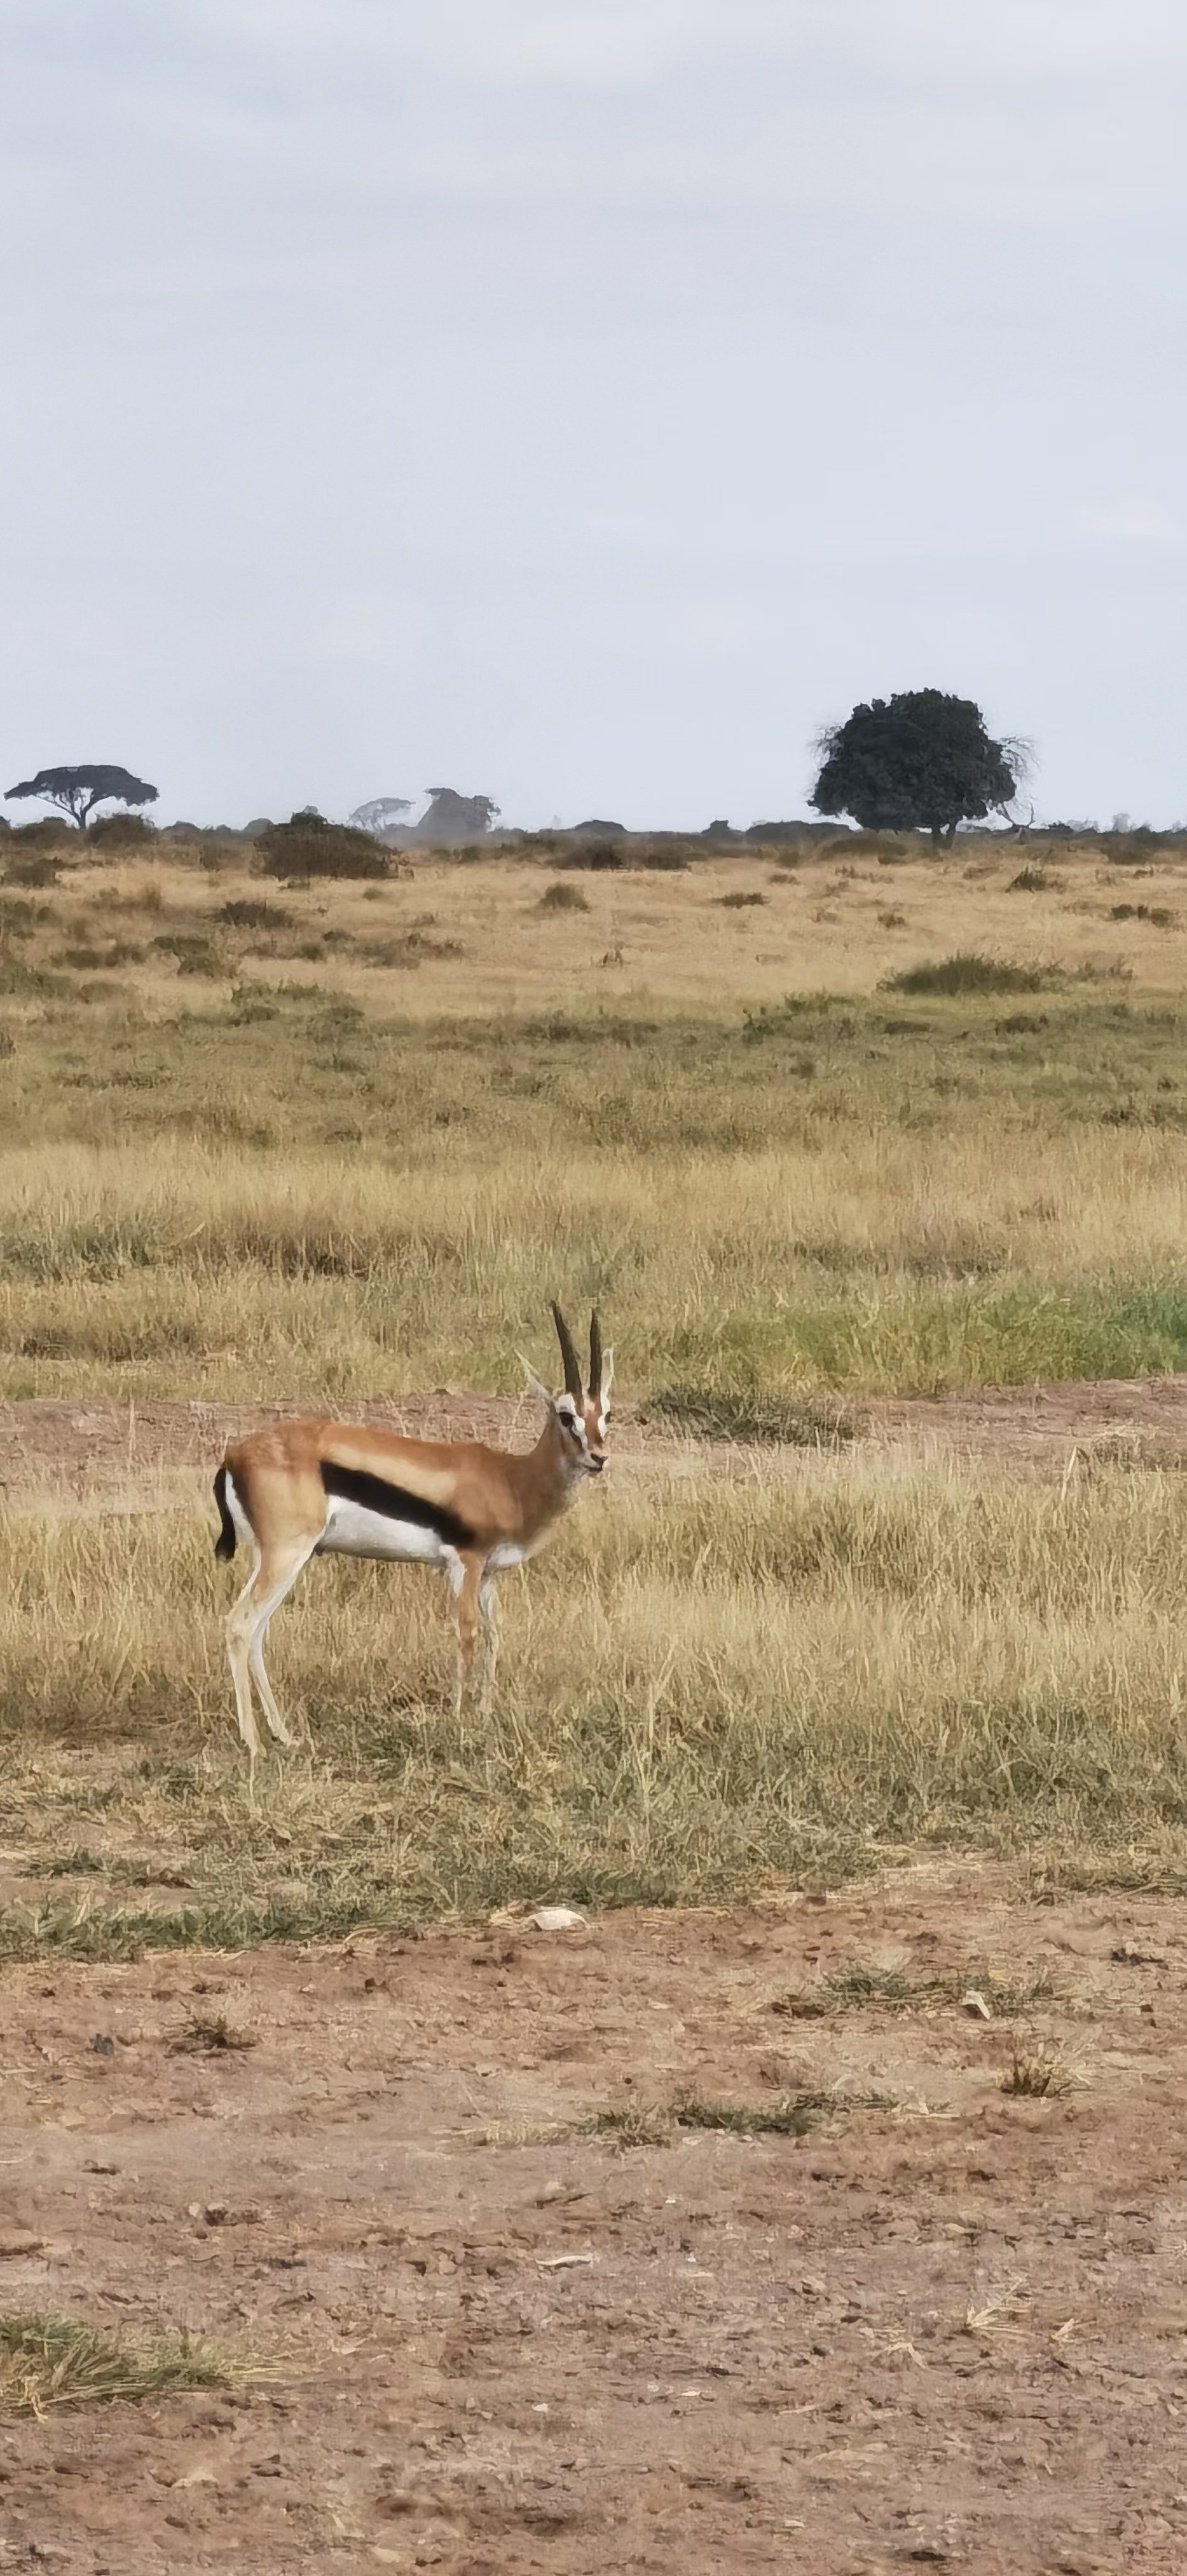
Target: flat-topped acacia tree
{"x": 77, "y": 791}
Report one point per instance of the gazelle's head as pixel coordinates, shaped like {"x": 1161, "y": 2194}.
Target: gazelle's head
{"x": 582, "y": 1410}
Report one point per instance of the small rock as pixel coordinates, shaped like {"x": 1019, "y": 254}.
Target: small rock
{"x": 102, "y": 2045}
{"x": 557, "y": 1918}
{"x": 974, "y": 2003}
{"x": 20, "y": 2241}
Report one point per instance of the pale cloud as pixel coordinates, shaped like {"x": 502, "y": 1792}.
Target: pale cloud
{"x": 393, "y": 378}
{"x": 1131, "y": 522}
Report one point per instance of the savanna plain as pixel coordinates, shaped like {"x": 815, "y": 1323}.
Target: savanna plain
{"x": 817, "y": 2200}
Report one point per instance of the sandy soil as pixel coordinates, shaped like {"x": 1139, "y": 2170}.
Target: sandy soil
{"x": 127, "y": 1455}
{"x": 952, "y": 2334}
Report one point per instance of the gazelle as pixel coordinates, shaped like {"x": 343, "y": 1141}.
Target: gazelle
{"x": 303, "y": 1489}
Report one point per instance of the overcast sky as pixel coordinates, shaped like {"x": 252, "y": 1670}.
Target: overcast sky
{"x": 582, "y": 404}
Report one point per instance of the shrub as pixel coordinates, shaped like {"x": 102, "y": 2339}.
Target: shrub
{"x": 670, "y": 856}
{"x": 738, "y": 902}
{"x": 966, "y": 972}
{"x": 121, "y": 831}
{"x": 308, "y": 846}
{"x": 594, "y": 854}
{"x": 43, "y": 834}
{"x": 32, "y": 868}
{"x": 19, "y": 918}
{"x": 563, "y": 898}
{"x": 410, "y": 949}
{"x": 1031, "y": 880}
{"x": 194, "y": 954}
{"x": 1155, "y": 913}
{"x": 255, "y": 913}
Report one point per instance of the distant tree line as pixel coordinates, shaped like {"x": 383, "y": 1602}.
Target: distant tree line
{"x": 921, "y": 761}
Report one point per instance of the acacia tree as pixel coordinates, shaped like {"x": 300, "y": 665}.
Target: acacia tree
{"x": 921, "y": 761}
{"x": 380, "y": 814}
{"x": 77, "y": 791}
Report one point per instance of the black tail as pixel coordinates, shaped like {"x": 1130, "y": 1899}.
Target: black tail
{"x": 224, "y": 1544}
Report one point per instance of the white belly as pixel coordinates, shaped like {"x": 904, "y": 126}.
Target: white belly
{"x": 351, "y": 1530}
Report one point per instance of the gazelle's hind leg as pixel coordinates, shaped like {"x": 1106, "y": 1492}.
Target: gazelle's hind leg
{"x": 239, "y": 1672}
{"x": 274, "y": 1576}
{"x": 490, "y": 1636}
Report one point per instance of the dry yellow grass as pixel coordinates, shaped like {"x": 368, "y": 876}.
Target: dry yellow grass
{"x": 48, "y": 2362}
{"x": 707, "y": 1689}
{"x": 648, "y": 935}
{"x": 235, "y": 1170}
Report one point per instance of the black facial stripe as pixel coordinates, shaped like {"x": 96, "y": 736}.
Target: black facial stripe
{"x": 375, "y": 1494}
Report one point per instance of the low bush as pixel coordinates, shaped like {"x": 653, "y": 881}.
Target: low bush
{"x": 255, "y": 913}
{"x": 308, "y": 846}
{"x": 966, "y": 971}
{"x": 593, "y": 854}
{"x": 121, "y": 831}
{"x": 36, "y": 867}
{"x": 563, "y": 898}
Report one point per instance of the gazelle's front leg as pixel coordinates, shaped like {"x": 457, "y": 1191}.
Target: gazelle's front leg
{"x": 466, "y": 1578}
{"x": 488, "y": 1611}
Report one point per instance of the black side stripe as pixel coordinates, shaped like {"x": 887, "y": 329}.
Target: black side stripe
{"x": 375, "y": 1494}
{"x": 224, "y": 1544}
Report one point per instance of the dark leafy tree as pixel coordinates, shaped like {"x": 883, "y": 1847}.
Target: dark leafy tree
{"x": 78, "y": 791}
{"x": 921, "y": 761}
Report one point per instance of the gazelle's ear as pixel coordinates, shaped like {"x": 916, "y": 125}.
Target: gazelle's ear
{"x": 536, "y": 1385}
{"x": 607, "y": 1380}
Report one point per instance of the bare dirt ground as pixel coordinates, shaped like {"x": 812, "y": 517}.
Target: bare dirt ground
{"x": 129, "y": 1454}
{"x": 952, "y": 2333}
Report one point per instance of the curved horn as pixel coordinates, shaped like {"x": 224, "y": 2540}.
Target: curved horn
{"x": 569, "y": 1356}
{"x": 595, "y": 1355}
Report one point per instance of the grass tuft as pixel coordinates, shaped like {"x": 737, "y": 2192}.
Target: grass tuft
{"x": 873, "y": 1989}
{"x": 798, "y": 1422}
{"x": 1040, "y": 2073}
{"x": 58, "y": 2361}
{"x": 787, "y": 2115}
{"x": 209, "y": 2033}
{"x": 967, "y": 971}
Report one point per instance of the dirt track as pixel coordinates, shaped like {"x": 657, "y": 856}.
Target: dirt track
{"x": 104, "y": 1449}
{"x": 953, "y": 2336}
